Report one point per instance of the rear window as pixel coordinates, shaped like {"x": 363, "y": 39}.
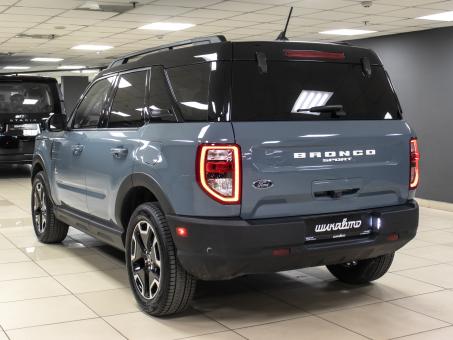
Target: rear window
{"x": 25, "y": 97}
{"x": 290, "y": 91}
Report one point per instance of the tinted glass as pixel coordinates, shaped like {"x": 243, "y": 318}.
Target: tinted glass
{"x": 90, "y": 109}
{"x": 25, "y": 97}
{"x": 129, "y": 102}
{"x": 160, "y": 104}
{"x": 191, "y": 86}
{"x": 290, "y": 91}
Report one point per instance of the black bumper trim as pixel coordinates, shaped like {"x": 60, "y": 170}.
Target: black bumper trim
{"x": 16, "y": 158}
{"x": 223, "y": 248}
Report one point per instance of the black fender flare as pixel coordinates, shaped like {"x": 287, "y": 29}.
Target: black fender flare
{"x": 37, "y": 159}
{"x": 141, "y": 180}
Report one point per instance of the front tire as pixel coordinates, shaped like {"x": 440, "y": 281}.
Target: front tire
{"x": 362, "y": 271}
{"x": 48, "y": 228}
{"x": 159, "y": 283}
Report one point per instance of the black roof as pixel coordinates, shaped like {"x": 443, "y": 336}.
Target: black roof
{"x": 218, "y": 48}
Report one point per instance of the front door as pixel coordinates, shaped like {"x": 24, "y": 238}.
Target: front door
{"x": 69, "y": 174}
{"x": 70, "y": 151}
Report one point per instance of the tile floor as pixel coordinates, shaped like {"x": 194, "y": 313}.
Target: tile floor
{"x": 79, "y": 290}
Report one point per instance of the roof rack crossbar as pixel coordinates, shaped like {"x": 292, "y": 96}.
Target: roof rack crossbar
{"x": 195, "y": 41}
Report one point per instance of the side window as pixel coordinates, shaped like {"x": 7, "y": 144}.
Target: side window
{"x": 129, "y": 102}
{"x": 191, "y": 86}
{"x": 160, "y": 104}
{"x": 90, "y": 109}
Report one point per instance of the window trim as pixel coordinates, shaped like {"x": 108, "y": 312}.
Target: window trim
{"x": 70, "y": 125}
{"x": 108, "y": 110}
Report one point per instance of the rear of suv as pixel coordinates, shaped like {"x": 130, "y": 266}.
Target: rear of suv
{"x": 25, "y": 101}
{"x": 209, "y": 159}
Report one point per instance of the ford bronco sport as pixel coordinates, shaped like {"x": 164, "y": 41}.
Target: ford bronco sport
{"x": 209, "y": 159}
{"x": 24, "y": 102}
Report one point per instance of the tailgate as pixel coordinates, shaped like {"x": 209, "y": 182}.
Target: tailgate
{"x": 316, "y": 167}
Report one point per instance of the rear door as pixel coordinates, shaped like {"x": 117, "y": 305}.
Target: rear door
{"x": 299, "y": 161}
{"x": 110, "y": 149}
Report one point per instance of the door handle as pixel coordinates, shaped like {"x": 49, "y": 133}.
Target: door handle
{"x": 119, "y": 152}
{"x": 77, "y": 149}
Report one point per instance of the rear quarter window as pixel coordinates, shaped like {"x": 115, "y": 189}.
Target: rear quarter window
{"x": 190, "y": 85}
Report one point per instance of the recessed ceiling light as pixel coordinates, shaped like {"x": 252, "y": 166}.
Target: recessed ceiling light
{"x": 166, "y": 26}
{"x": 71, "y": 67}
{"x": 49, "y": 60}
{"x": 347, "y": 31}
{"x": 92, "y": 47}
{"x": 443, "y": 16}
{"x": 16, "y": 67}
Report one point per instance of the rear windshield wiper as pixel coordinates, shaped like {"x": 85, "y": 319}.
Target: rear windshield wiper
{"x": 337, "y": 110}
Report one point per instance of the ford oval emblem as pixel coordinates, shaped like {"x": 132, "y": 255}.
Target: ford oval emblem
{"x": 263, "y": 184}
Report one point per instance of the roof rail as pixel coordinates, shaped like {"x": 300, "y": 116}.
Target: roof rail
{"x": 195, "y": 41}
{"x": 345, "y": 43}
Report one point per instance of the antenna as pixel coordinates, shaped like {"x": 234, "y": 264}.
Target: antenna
{"x": 282, "y": 35}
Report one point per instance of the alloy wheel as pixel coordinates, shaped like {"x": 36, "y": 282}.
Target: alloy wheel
{"x": 40, "y": 207}
{"x": 146, "y": 260}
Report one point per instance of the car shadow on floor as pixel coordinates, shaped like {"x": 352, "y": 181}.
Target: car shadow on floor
{"x": 271, "y": 295}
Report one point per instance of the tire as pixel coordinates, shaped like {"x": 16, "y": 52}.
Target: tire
{"x": 48, "y": 228}
{"x": 159, "y": 283}
{"x": 362, "y": 271}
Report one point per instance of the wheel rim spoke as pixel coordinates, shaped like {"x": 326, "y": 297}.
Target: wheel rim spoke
{"x": 140, "y": 240}
{"x": 156, "y": 252}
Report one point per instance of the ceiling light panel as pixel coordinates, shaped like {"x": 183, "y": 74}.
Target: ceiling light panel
{"x": 88, "y": 47}
{"x": 47, "y": 60}
{"x": 166, "y": 26}
{"x": 443, "y": 16}
{"x": 347, "y": 31}
{"x": 16, "y": 67}
{"x": 71, "y": 67}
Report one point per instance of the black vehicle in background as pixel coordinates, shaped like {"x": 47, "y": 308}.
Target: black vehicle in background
{"x": 25, "y": 101}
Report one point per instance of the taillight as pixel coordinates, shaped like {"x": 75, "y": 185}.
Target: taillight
{"x": 414, "y": 158}
{"x": 219, "y": 171}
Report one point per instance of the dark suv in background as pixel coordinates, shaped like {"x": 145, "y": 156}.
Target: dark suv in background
{"x": 209, "y": 159}
{"x": 24, "y": 102}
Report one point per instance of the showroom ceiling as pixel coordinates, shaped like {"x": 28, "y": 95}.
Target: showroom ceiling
{"x": 51, "y": 28}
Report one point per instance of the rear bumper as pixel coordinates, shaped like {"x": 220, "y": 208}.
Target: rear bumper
{"x": 219, "y": 249}
{"x": 16, "y": 149}
{"x": 16, "y": 159}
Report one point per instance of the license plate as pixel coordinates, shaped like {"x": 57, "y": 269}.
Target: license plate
{"x": 337, "y": 227}
{"x": 23, "y": 129}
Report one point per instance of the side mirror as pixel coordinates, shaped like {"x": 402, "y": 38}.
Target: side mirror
{"x": 163, "y": 114}
{"x": 56, "y": 122}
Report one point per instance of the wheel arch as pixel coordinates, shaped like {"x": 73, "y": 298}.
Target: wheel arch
{"x": 137, "y": 189}
{"x": 37, "y": 165}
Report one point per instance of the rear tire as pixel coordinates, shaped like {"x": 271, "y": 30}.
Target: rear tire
{"x": 160, "y": 284}
{"x": 362, "y": 271}
{"x": 48, "y": 228}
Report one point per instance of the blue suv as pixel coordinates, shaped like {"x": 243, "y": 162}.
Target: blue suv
{"x": 209, "y": 159}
